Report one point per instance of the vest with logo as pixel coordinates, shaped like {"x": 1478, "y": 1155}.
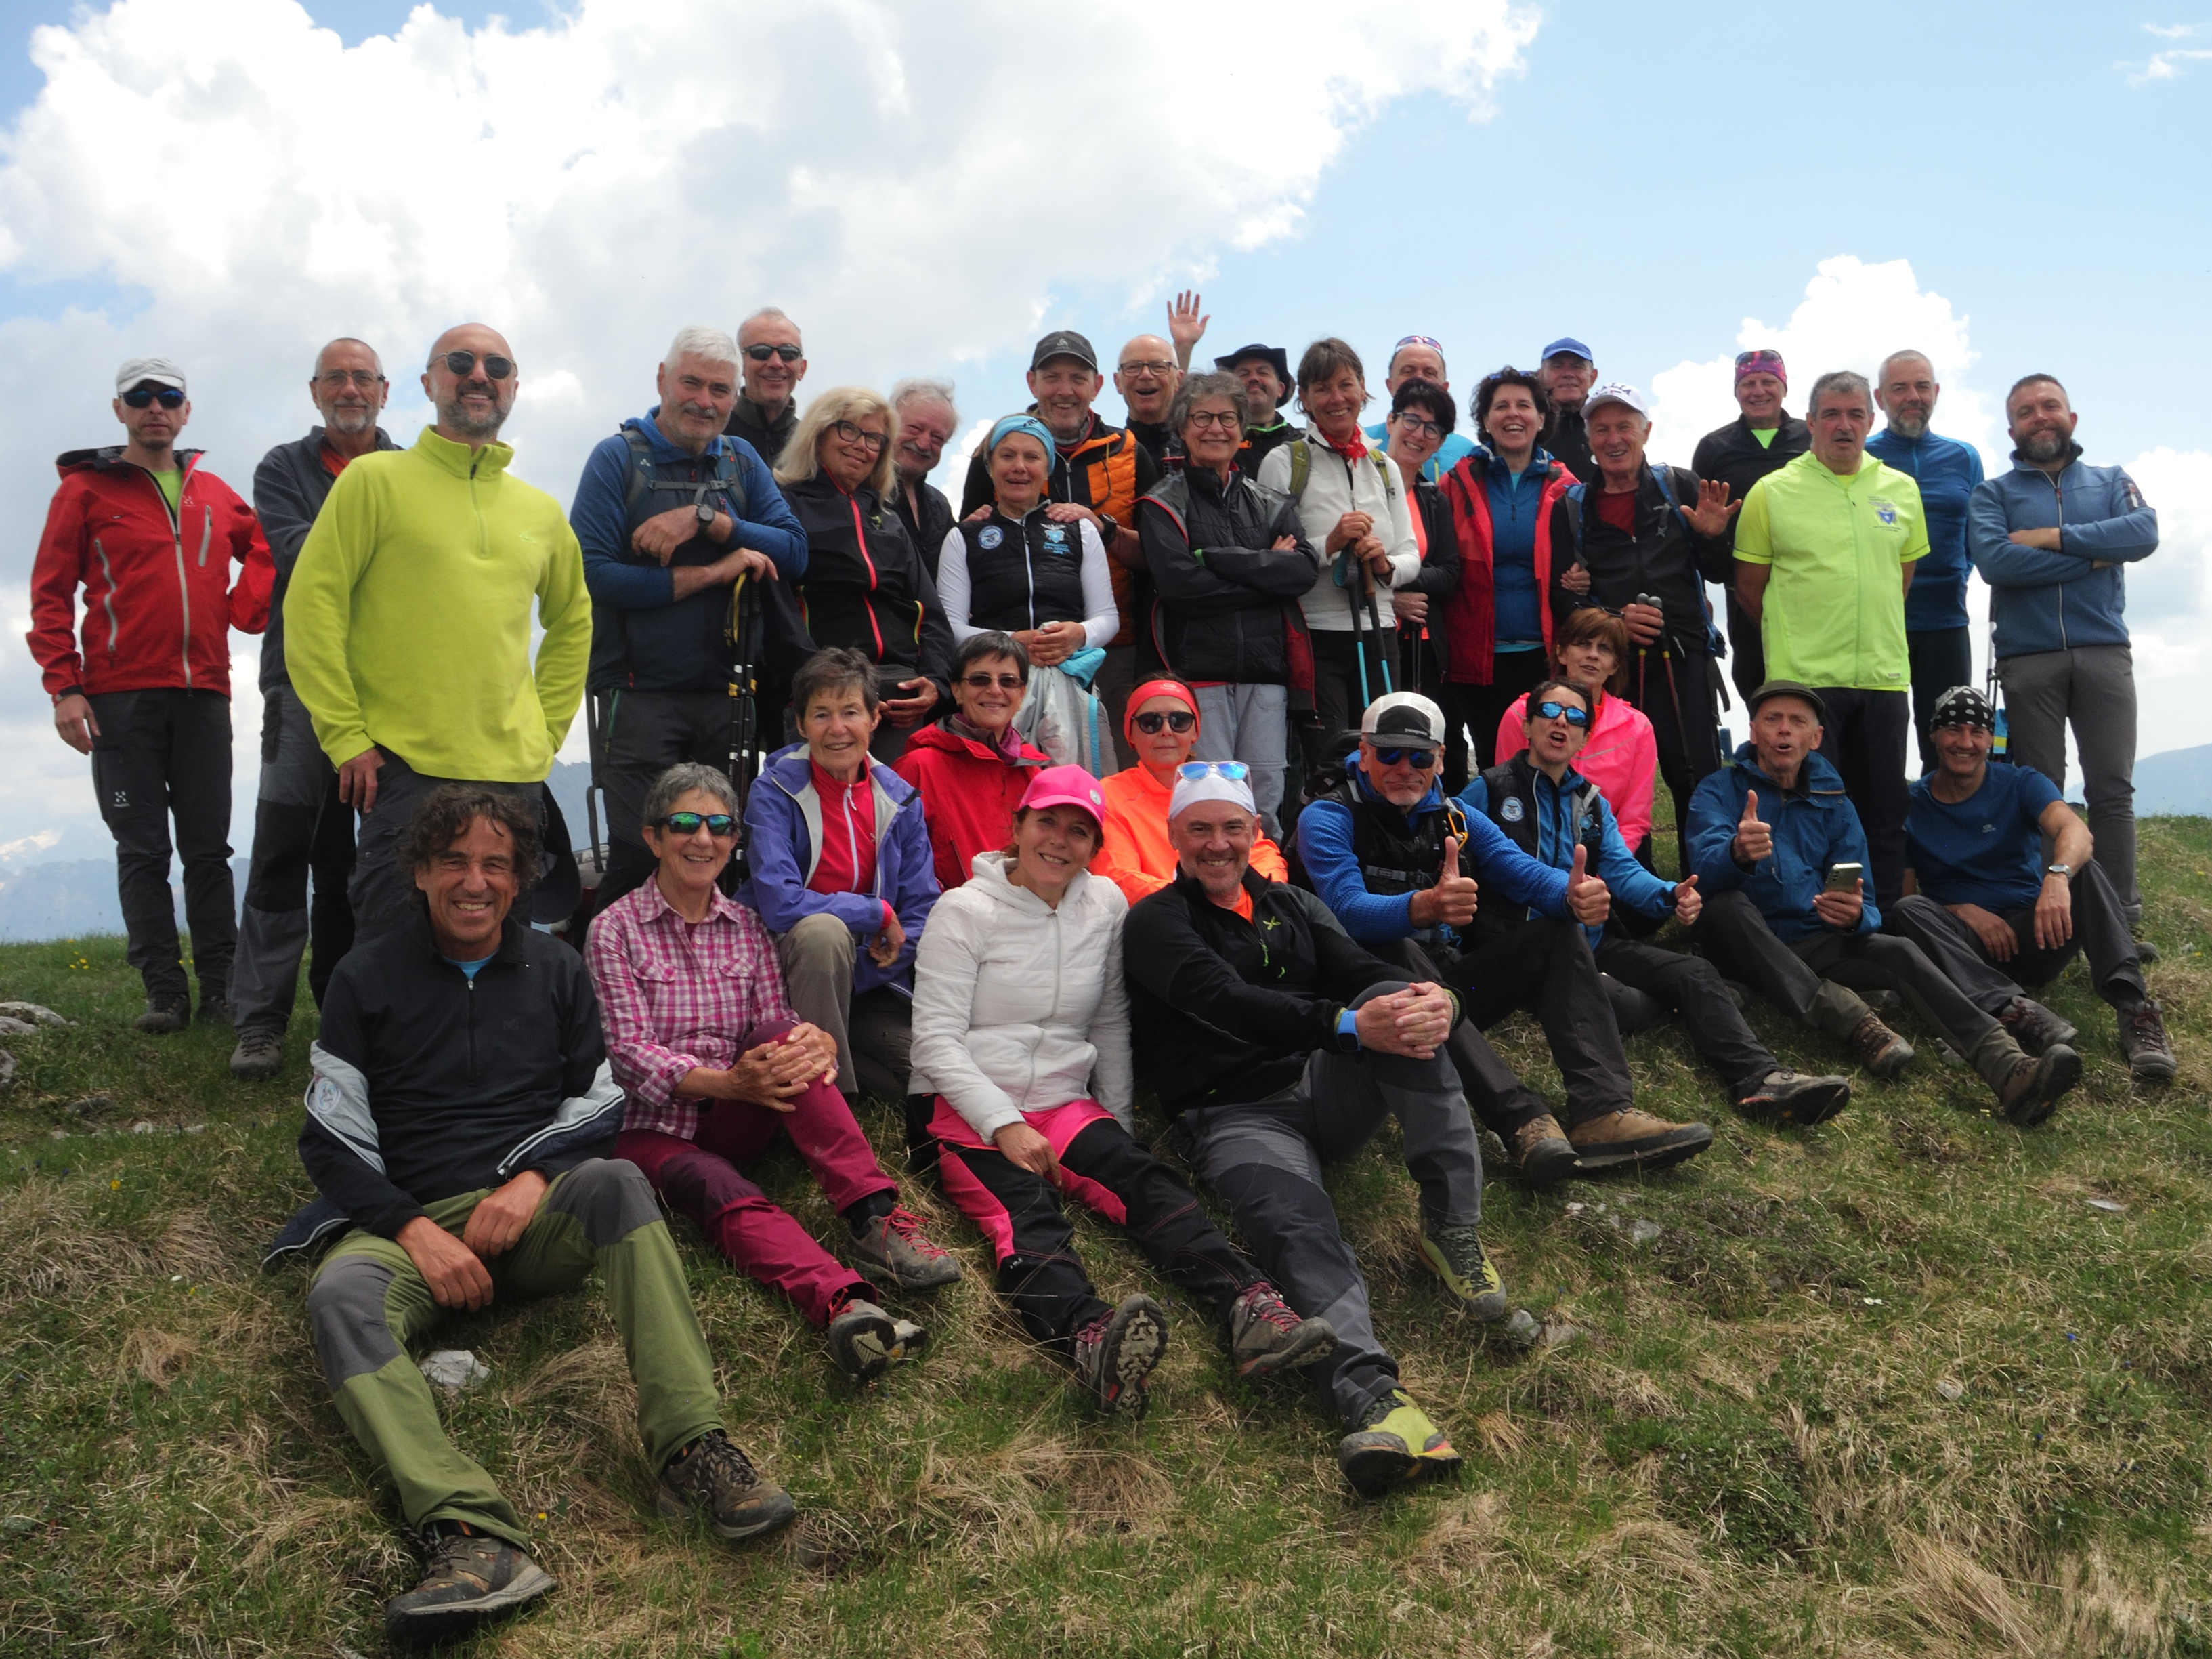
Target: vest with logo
{"x": 1023, "y": 572}
{"x": 1510, "y": 800}
{"x": 1396, "y": 852}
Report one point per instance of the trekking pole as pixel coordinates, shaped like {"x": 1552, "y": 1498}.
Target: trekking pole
{"x": 1375, "y": 628}
{"x": 1352, "y": 598}
{"x": 741, "y": 634}
{"x": 1673, "y": 693}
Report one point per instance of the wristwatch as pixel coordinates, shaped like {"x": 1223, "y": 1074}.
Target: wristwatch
{"x": 1108, "y": 527}
{"x": 2065, "y": 869}
{"x": 707, "y": 515}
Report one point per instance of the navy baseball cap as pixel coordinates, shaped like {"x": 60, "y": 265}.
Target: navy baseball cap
{"x": 1568, "y": 344}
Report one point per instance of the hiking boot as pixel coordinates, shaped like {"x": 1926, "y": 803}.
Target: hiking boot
{"x": 865, "y": 1341}
{"x": 1116, "y": 1352}
{"x": 2146, "y": 952}
{"x": 1606, "y": 1142}
{"x": 260, "y": 1054}
{"x": 711, "y": 1477}
{"x": 215, "y": 1008}
{"x": 896, "y": 1244}
{"x": 165, "y": 1015}
{"x": 1394, "y": 1444}
{"x": 2033, "y": 1026}
{"x": 1455, "y": 1255}
{"x": 471, "y": 1577}
{"x": 1266, "y": 1335}
{"x": 2031, "y": 1092}
{"x": 1793, "y": 1100}
{"x": 2144, "y": 1044}
{"x": 1541, "y": 1148}
{"x": 1878, "y": 1048}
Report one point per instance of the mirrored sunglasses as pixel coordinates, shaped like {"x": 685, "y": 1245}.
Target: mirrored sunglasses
{"x": 687, "y": 823}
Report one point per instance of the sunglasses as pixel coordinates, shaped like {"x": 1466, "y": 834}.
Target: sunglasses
{"x": 1420, "y": 759}
{"x": 1563, "y": 711}
{"x": 1177, "y": 720}
{"x": 761, "y": 354}
{"x": 1235, "y": 771}
{"x": 984, "y": 682}
{"x": 718, "y": 824}
{"x": 463, "y": 364}
{"x": 139, "y": 396}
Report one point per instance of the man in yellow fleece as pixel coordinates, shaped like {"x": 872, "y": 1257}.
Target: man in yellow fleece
{"x": 407, "y": 620}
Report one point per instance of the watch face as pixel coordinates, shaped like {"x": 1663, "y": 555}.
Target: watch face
{"x": 706, "y": 514}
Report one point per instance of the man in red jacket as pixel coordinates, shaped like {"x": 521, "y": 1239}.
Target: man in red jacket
{"x": 145, "y": 689}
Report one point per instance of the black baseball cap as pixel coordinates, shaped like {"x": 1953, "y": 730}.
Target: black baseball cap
{"x": 1773, "y": 688}
{"x": 1278, "y": 359}
{"x": 1064, "y": 342}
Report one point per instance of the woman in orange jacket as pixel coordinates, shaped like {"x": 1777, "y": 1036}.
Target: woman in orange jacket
{"x": 1161, "y": 729}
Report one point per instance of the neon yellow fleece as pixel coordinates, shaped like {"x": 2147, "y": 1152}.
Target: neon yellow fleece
{"x": 407, "y": 619}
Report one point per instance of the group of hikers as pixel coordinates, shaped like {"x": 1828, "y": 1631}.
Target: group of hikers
{"x": 1394, "y": 702}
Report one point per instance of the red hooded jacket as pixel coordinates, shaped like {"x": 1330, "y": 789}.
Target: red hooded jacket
{"x": 159, "y": 599}
{"x": 1470, "y": 628}
{"x": 969, "y": 793}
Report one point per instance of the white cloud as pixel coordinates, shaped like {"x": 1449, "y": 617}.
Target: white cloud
{"x": 920, "y": 187}
{"x": 2166, "y": 65}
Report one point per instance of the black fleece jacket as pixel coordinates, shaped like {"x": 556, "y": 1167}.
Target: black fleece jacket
{"x": 290, "y": 488}
{"x": 1733, "y": 454}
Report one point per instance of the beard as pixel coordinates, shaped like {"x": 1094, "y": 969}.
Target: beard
{"x": 2045, "y": 445}
{"x": 1913, "y": 426}
{"x": 457, "y": 417}
{"x": 351, "y": 420}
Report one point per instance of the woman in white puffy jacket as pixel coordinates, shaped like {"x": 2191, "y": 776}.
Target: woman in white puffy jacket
{"x": 1021, "y": 1043}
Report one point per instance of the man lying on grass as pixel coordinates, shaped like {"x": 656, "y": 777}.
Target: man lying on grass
{"x": 459, "y": 1120}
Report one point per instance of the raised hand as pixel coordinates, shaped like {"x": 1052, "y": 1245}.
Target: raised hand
{"x": 1713, "y": 511}
{"x": 1589, "y": 900}
{"x": 1186, "y": 327}
{"x": 1754, "y": 838}
{"x": 1451, "y": 902}
{"x": 1688, "y": 900}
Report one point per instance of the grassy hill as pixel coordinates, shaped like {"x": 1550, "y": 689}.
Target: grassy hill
{"x": 1893, "y": 1386}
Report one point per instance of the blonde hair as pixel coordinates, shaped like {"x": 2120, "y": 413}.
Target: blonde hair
{"x": 801, "y": 457}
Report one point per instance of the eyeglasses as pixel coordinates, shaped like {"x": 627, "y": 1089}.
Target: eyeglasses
{"x": 1235, "y": 771}
{"x": 1418, "y": 426}
{"x": 1563, "y": 711}
{"x": 1225, "y": 418}
{"x": 1145, "y": 369}
{"x": 363, "y": 378}
{"x": 718, "y": 824}
{"x": 1179, "y": 720}
{"x": 496, "y": 367}
{"x": 871, "y": 441}
{"x": 139, "y": 396}
{"x": 1420, "y": 759}
{"x": 984, "y": 682}
{"x": 761, "y": 354}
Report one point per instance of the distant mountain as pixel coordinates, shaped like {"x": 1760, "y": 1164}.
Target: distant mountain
{"x": 2175, "y": 782}
{"x": 71, "y": 899}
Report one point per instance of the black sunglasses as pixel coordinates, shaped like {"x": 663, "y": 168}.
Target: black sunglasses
{"x": 1179, "y": 720}
{"x": 496, "y": 367}
{"x": 139, "y": 396}
{"x": 761, "y": 354}
{"x": 687, "y": 823}
{"x": 1563, "y": 711}
{"x": 1420, "y": 759}
{"x": 984, "y": 682}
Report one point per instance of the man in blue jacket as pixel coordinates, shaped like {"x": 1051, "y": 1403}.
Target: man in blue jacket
{"x": 1937, "y": 642}
{"x": 670, "y": 514}
{"x": 840, "y": 869}
{"x": 1391, "y": 859}
{"x": 1776, "y": 846}
{"x": 2053, "y": 538}
{"x": 1552, "y": 812}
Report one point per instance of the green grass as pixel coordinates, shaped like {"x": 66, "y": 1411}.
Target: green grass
{"x": 1744, "y": 1452}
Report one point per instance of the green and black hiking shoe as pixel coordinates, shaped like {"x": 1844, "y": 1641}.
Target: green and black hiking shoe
{"x": 1455, "y": 1255}
{"x": 1396, "y": 1445}
{"x": 713, "y": 1478}
{"x": 471, "y": 1576}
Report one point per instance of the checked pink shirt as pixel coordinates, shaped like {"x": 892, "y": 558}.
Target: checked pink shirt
{"x": 677, "y": 995}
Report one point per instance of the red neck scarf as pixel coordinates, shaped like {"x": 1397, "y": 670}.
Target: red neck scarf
{"x": 1353, "y": 448}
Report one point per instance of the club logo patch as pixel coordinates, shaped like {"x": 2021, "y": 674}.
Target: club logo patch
{"x": 990, "y": 537}
{"x": 1512, "y": 812}
{"x": 1885, "y": 510}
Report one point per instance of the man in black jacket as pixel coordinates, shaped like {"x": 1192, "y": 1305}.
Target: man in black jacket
{"x": 1634, "y": 532}
{"x": 1304, "y": 1044}
{"x": 1567, "y": 372}
{"x": 300, "y": 827}
{"x": 1265, "y": 371}
{"x": 927, "y": 422}
{"x": 1230, "y": 560}
{"x": 457, "y": 1129}
{"x": 1764, "y": 437}
{"x": 766, "y": 412}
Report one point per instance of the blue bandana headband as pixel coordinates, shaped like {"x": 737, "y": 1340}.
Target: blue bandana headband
{"x": 1009, "y": 424}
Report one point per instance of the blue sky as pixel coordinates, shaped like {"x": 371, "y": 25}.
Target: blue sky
{"x": 926, "y": 191}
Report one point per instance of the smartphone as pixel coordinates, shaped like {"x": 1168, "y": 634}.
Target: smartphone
{"x": 891, "y": 678}
{"x": 1844, "y": 877}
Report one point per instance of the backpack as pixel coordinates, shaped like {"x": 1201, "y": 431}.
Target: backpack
{"x": 1302, "y": 468}
{"x": 639, "y": 480}
{"x": 1660, "y": 471}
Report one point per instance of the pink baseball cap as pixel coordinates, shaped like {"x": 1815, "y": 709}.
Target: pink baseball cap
{"x": 1066, "y": 786}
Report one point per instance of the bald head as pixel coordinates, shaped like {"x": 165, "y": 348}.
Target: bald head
{"x": 349, "y": 388}
{"x": 1146, "y": 376}
{"x": 472, "y": 405}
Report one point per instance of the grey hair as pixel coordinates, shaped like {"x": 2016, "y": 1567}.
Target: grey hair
{"x": 679, "y": 781}
{"x": 1847, "y": 380}
{"x": 347, "y": 339}
{"x": 701, "y": 341}
{"x": 1215, "y": 384}
{"x": 1899, "y": 356}
{"x": 770, "y": 314}
{"x": 915, "y": 387}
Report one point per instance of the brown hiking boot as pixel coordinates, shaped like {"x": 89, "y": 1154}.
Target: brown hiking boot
{"x": 2033, "y": 1026}
{"x": 713, "y": 1478}
{"x": 2144, "y": 1044}
{"x": 1541, "y": 1148}
{"x": 471, "y": 1577}
{"x": 1638, "y": 1137}
{"x": 1878, "y": 1048}
{"x": 2030, "y": 1093}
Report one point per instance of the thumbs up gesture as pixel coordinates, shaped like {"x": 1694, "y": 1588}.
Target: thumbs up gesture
{"x": 1754, "y": 839}
{"x": 1451, "y": 902}
{"x": 1589, "y": 900}
{"x": 1687, "y": 899}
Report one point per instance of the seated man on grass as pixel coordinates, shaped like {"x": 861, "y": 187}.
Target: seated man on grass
{"x": 1777, "y": 850}
{"x": 1991, "y": 912}
{"x": 457, "y": 1125}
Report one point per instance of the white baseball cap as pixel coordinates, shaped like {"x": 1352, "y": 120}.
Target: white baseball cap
{"x": 1404, "y": 719}
{"x": 1616, "y": 391}
{"x": 138, "y": 370}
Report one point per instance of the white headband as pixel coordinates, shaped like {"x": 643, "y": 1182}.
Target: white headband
{"x": 1192, "y": 792}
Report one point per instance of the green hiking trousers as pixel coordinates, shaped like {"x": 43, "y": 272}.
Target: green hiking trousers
{"x": 368, "y": 1302}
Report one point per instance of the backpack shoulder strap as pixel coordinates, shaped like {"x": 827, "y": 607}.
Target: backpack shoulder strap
{"x": 1574, "y": 499}
{"x": 637, "y": 478}
{"x": 1301, "y": 467}
{"x": 1665, "y": 476}
{"x": 729, "y": 479}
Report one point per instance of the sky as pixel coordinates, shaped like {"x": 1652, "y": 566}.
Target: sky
{"x": 232, "y": 182}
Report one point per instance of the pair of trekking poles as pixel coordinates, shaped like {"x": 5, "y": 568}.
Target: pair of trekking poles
{"x": 1358, "y": 582}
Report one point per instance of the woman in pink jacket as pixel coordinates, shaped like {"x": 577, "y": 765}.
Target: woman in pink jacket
{"x": 1622, "y": 754}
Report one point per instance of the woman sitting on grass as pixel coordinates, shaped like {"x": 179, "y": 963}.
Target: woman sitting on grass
{"x": 1621, "y": 753}
{"x": 1021, "y": 1040}
{"x": 703, "y": 1042}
